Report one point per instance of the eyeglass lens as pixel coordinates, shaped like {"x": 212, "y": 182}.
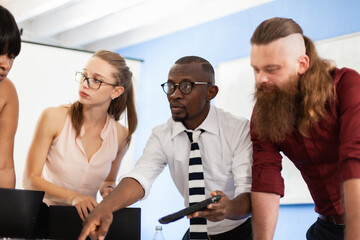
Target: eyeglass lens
{"x": 91, "y": 82}
{"x": 185, "y": 87}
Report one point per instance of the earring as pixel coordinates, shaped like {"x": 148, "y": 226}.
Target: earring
{"x": 112, "y": 99}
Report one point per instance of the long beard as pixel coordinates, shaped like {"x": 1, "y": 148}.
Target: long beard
{"x": 276, "y": 113}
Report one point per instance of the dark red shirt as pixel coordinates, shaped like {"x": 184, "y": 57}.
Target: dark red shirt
{"x": 328, "y": 157}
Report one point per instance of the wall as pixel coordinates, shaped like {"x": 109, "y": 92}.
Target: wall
{"x": 218, "y": 41}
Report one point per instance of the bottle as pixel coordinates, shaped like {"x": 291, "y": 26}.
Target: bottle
{"x": 158, "y": 233}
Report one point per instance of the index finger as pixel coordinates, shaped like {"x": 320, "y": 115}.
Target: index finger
{"x": 85, "y": 231}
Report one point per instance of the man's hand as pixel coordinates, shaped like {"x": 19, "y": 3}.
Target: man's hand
{"x": 97, "y": 223}
{"x": 215, "y": 211}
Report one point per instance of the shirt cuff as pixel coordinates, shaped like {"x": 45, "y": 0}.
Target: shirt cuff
{"x": 267, "y": 180}
{"x": 350, "y": 169}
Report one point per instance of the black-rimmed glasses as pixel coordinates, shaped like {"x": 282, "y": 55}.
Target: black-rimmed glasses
{"x": 185, "y": 86}
{"x": 92, "y": 82}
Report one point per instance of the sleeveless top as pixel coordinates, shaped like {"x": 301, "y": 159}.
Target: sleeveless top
{"x": 67, "y": 165}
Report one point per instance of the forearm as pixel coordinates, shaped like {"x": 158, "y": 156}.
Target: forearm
{"x": 127, "y": 192}
{"x": 265, "y": 210}
{"x": 7, "y": 168}
{"x": 352, "y": 208}
{"x": 240, "y": 206}
{"x": 52, "y": 191}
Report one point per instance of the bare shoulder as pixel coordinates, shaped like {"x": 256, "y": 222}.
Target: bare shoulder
{"x": 53, "y": 118}
{"x": 122, "y": 133}
{"x": 6, "y": 85}
{"x": 54, "y": 113}
{"x": 7, "y": 91}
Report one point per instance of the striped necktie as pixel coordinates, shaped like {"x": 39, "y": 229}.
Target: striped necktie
{"x": 198, "y": 228}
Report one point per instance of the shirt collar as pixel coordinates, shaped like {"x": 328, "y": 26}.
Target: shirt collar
{"x": 106, "y": 129}
{"x": 210, "y": 124}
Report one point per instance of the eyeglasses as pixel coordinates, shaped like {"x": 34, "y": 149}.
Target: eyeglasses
{"x": 92, "y": 82}
{"x": 185, "y": 87}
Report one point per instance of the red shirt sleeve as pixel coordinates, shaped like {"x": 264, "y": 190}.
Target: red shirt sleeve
{"x": 347, "y": 83}
{"x": 266, "y": 169}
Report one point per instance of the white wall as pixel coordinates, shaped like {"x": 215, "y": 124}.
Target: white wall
{"x": 44, "y": 77}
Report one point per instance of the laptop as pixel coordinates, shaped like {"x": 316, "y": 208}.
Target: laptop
{"x": 65, "y": 223}
{"x": 18, "y": 212}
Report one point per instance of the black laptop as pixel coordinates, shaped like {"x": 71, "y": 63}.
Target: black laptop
{"x": 65, "y": 223}
{"x": 18, "y": 212}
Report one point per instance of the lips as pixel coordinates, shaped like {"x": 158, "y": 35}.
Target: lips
{"x": 268, "y": 89}
{"x": 2, "y": 76}
{"x": 265, "y": 87}
{"x": 176, "y": 107}
{"x": 83, "y": 94}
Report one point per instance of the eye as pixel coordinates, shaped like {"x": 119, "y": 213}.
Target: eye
{"x": 186, "y": 86}
{"x": 256, "y": 70}
{"x": 272, "y": 69}
{"x": 169, "y": 85}
{"x": 97, "y": 80}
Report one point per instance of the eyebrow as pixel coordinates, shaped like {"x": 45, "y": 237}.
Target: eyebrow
{"x": 95, "y": 74}
{"x": 182, "y": 80}
{"x": 272, "y": 66}
{"x": 267, "y": 66}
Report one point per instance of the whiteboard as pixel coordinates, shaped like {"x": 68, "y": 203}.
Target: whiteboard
{"x": 44, "y": 77}
{"x": 236, "y": 83}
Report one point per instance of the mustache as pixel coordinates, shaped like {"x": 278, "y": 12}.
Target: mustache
{"x": 262, "y": 87}
{"x": 176, "y": 105}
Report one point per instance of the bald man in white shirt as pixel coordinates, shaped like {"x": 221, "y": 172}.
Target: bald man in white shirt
{"x": 226, "y": 153}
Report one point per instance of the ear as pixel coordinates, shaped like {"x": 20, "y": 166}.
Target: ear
{"x": 303, "y": 64}
{"x": 212, "y": 92}
{"x": 117, "y": 91}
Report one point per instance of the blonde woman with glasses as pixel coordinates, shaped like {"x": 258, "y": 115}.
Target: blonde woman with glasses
{"x": 77, "y": 149}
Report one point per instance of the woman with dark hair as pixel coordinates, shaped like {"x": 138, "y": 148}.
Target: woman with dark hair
{"x": 10, "y": 44}
{"x": 77, "y": 149}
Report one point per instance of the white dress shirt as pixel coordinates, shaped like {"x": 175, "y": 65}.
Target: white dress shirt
{"x": 226, "y": 153}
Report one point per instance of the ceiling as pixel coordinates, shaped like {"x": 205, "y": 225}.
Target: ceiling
{"x": 114, "y": 24}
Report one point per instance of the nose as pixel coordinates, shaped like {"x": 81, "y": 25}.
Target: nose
{"x": 5, "y": 62}
{"x": 177, "y": 93}
{"x": 262, "y": 77}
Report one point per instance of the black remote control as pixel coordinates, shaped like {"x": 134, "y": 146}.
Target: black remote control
{"x": 186, "y": 211}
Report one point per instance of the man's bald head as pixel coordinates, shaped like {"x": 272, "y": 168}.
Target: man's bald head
{"x": 293, "y": 45}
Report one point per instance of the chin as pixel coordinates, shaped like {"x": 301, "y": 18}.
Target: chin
{"x": 178, "y": 118}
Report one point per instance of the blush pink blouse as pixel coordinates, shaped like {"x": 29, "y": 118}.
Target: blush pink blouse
{"x": 67, "y": 165}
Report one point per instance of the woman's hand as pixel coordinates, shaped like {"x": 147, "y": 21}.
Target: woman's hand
{"x": 84, "y": 205}
{"x": 106, "y": 191}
